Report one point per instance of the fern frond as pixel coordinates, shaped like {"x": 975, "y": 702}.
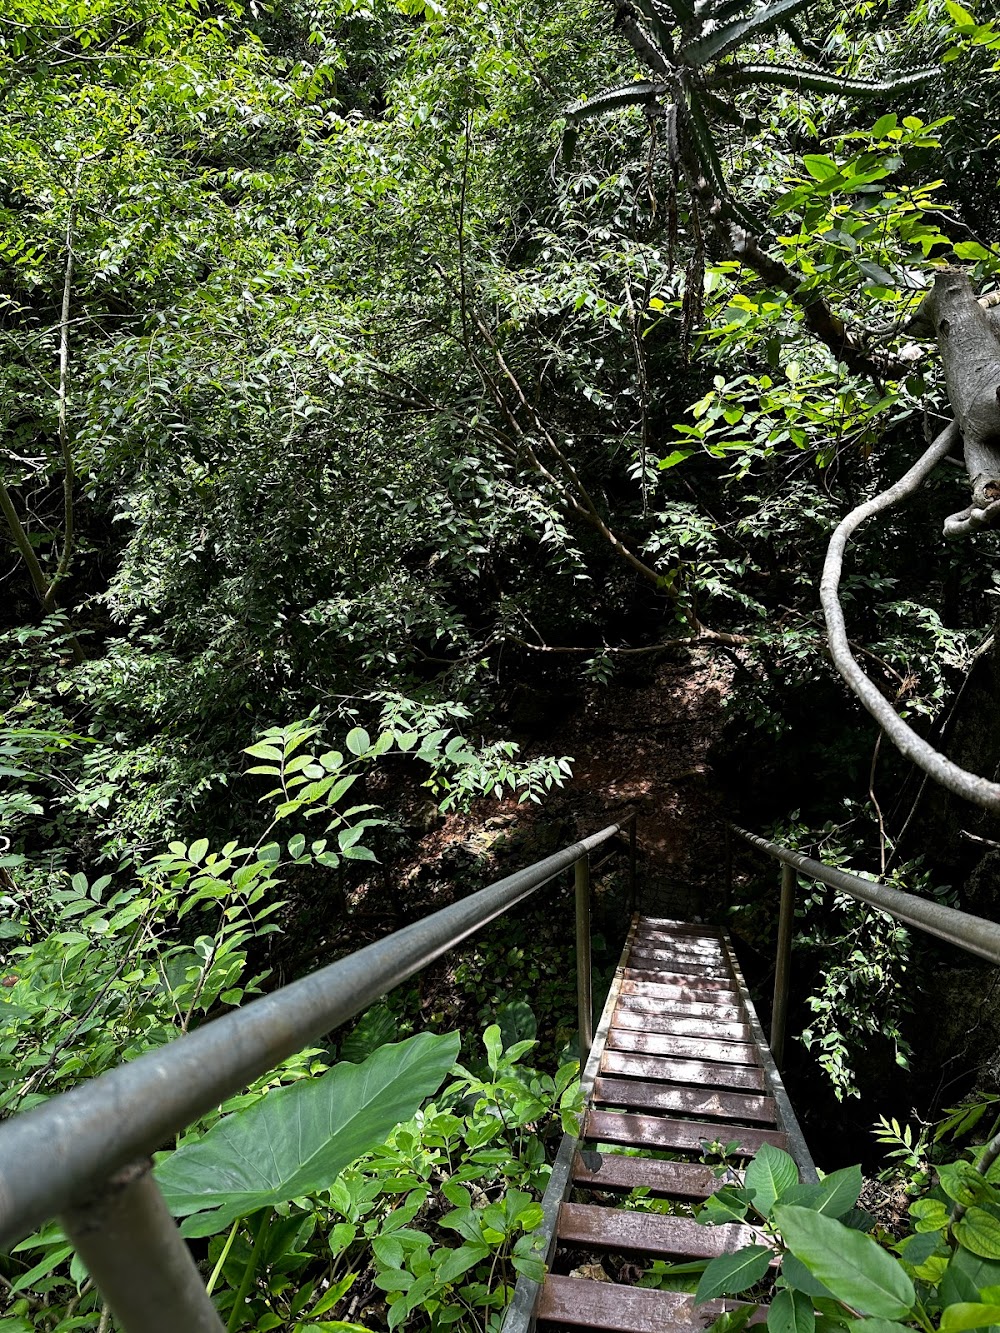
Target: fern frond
{"x": 640, "y": 93}
{"x": 816, "y": 81}
{"x": 731, "y": 35}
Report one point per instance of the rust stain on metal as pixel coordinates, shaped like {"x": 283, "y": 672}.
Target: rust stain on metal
{"x": 652, "y": 1131}
{"x": 704, "y": 1072}
{"x": 691, "y": 1101}
{"x": 613, "y": 1171}
{"x": 664, "y": 1237}
{"x": 694, "y": 1048}
{"x": 583, "y": 1304}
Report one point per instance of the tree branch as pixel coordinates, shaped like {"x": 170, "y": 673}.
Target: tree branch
{"x": 969, "y": 786}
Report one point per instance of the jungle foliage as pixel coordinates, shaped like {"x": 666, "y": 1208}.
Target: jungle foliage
{"x": 360, "y": 359}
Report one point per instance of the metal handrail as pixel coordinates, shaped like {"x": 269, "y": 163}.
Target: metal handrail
{"x": 83, "y": 1155}
{"x": 974, "y": 934}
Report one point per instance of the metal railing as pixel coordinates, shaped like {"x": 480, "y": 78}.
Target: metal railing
{"x": 974, "y": 934}
{"x": 83, "y": 1156}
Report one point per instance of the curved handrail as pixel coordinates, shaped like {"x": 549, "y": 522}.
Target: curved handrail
{"x": 54, "y": 1154}
{"x": 975, "y": 934}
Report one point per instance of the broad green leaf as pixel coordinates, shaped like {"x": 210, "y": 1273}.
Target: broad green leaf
{"x": 876, "y": 1326}
{"x": 733, "y": 1273}
{"x": 297, "y": 1139}
{"x": 791, "y": 1312}
{"x": 968, "y": 1314}
{"x": 856, "y": 1269}
{"x": 835, "y": 1195}
{"x": 767, "y": 1177}
{"x": 979, "y": 1231}
{"x": 884, "y": 124}
{"x": 358, "y": 740}
{"x": 798, "y": 1276}
{"x": 820, "y": 167}
{"x": 966, "y": 1276}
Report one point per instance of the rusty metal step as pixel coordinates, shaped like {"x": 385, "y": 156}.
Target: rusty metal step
{"x": 650, "y": 1233}
{"x": 689, "y": 1101}
{"x": 634, "y": 1130}
{"x": 638, "y": 1018}
{"x": 711, "y": 950}
{"x": 661, "y": 1043}
{"x": 614, "y": 1171}
{"x": 583, "y": 1303}
{"x": 664, "y": 977}
{"x": 694, "y": 965}
{"x": 720, "y": 1004}
{"x": 706, "y": 1073}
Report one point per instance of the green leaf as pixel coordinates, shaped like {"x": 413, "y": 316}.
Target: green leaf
{"x": 856, "y": 1269}
{"x": 298, "y": 1139}
{"x": 820, "y": 167}
{"x": 767, "y": 1177}
{"x": 979, "y": 1231}
{"x": 967, "y": 1314}
{"x": 835, "y": 1195}
{"x": 358, "y": 740}
{"x": 798, "y": 1276}
{"x": 884, "y": 124}
{"x": 876, "y": 1326}
{"x": 791, "y": 1312}
{"x": 733, "y": 1273}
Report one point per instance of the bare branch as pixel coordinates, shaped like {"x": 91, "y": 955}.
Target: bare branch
{"x": 957, "y": 780}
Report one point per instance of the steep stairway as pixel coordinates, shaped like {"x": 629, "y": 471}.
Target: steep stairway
{"x": 679, "y": 1063}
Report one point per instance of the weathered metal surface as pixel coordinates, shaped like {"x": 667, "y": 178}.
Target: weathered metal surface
{"x": 703, "y": 1072}
{"x": 631, "y": 1013}
{"x": 651, "y": 1233}
{"x": 648, "y": 961}
{"x": 613, "y": 1171}
{"x": 636, "y": 971}
{"x": 605, "y": 1305}
{"x": 700, "y": 989}
{"x": 710, "y": 950}
{"x": 715, "y": 1001}
{"x": 689, "y": 1101}
{"x": 661, "y": 1043}
{"x": 520, "y": 1316}
{"x": 652, "y": 1131}
{"x": 651, "y": 1004}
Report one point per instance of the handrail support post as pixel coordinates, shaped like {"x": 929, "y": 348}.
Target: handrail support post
{"x": 631, "y": 863}
{"x": 134, "y": 1251}
{"x": 584, "y": 985}
{"x": 782, "y": 963}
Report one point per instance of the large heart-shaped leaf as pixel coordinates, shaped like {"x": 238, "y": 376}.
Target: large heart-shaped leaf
{"x": 298, "y": 1139}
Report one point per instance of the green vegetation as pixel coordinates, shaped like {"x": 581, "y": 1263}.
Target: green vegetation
{"x": 366, "y": 365}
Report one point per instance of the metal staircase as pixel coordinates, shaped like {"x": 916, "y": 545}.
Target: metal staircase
{"x": 679, "y": 1063}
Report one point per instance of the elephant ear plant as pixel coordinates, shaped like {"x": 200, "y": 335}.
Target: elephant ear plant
{"x": 822, "y": 1271}
{"x": 295, "y": 1142}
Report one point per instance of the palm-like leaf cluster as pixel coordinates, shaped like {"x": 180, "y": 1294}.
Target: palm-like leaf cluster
{"x": 686, "y": 45}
